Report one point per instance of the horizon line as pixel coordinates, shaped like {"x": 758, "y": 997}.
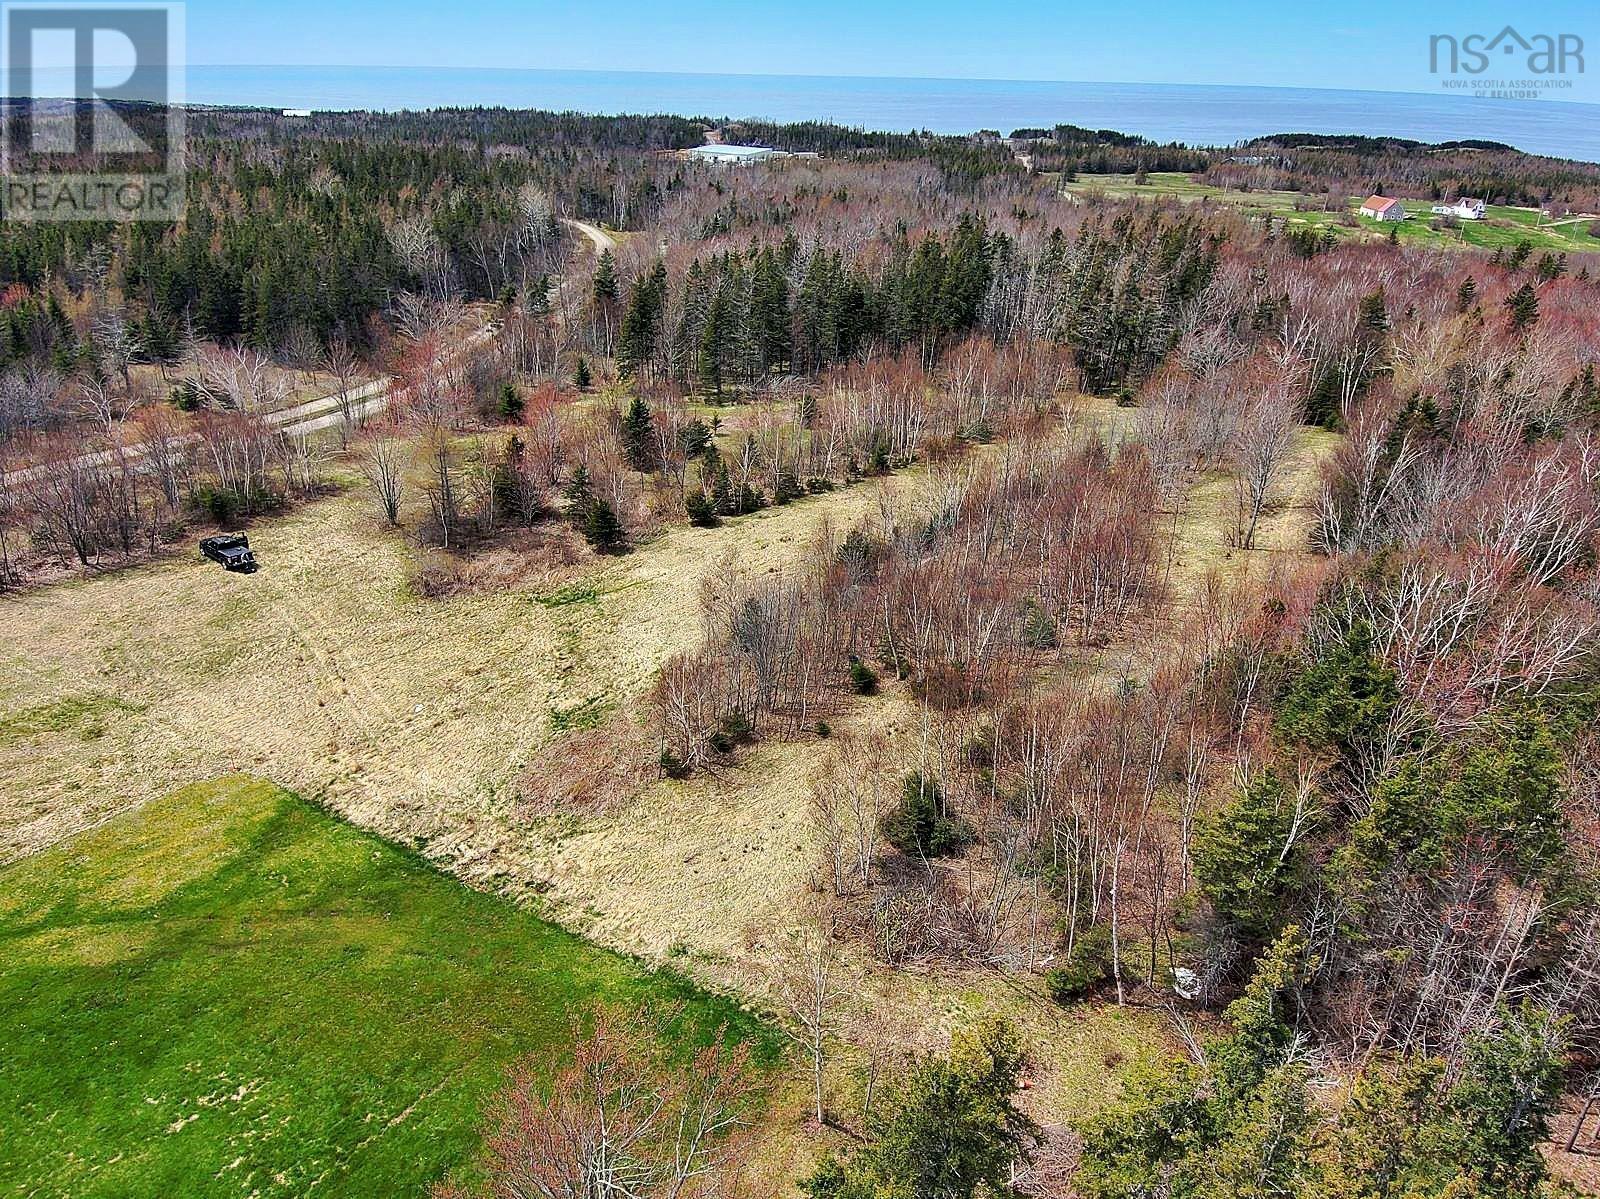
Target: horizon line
{"x": 858, "y": 76}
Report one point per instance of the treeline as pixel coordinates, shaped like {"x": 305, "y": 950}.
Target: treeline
{"x": 1116, "y": 294}
{"x": 733, "y": 319}
{"x": 566, "y": 132}
{"x": 1071, "y": 149}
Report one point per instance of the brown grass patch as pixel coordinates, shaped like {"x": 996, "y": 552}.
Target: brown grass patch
{"x": 536, "y": 558}
{"x": 589, "y": 773}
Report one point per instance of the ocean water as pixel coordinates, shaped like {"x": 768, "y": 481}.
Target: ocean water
{"x": 1192, "y": 113}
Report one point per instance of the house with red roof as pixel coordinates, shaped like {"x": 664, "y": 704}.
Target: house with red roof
{"x": 1382, "y": 208}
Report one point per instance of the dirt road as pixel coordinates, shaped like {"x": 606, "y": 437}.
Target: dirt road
{"x": 328, "y": 411}
{"x": 598, "y": 237}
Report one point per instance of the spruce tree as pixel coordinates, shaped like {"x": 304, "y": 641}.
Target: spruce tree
{"x": 1374, "y": 313}
{"x": 601, "y": 528}
{"x": 709, "y": 362}
{"x": 636, "y": 344}
{"x": 1523, "y": 305}
{"x": 605, "y": 280}
{"x": 638, "y": 435}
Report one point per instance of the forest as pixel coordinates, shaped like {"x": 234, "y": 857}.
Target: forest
{"x": 1326, "y": 808}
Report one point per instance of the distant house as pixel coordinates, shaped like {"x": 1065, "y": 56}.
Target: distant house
{"x": 297, "y": 112}
{"x": 739, "y": 156}
{"x": 1382, "y": 208}
{"x": 1466, "y": 208}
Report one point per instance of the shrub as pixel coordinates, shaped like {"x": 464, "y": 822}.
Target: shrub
{"x": 1242, "y": 860}
{"x": 787, "y": 488}
{"x": 863, "y": 679}
{"x": 509, "y": 402}
{"x": 1086, "y": 967}
{"x": 732, "y": 731}
{"x": 601, "y": 528}
{"x": 1038, "y": 630}
{"x": 225, "y": 506}
{"x": 737, "y": 728}
{"x": 221, "y": 504}
{"x": 1344, "y": 695}
{"x": 921, "y": 824}
{"x": 186, "y": 396}
{"x": 702, "y": 512}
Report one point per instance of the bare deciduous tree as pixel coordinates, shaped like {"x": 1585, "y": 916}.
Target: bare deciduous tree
{"x": 384, "y": 467}
{"x": 1262, "y": 441}
{"x": 808, "y": 979}
{"x": 620, "y": 1121}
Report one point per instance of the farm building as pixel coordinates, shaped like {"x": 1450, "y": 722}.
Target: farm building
{"x": 1382, "y": 208}
{"x": 1466, "y": 208}
{"x": 734, "y": 155}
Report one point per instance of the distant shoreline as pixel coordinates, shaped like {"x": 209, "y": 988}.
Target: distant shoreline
{"x": 1195, "y": 114}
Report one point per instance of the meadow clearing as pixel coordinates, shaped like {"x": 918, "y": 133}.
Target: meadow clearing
{"x": 414, "y": 719}
{"x": 1503, "y": 227}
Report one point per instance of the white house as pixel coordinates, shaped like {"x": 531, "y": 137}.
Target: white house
{"x": 300, "y": 113}
{"x": 1382, "y": 208}
{"x": 739, "y": 156}
{"x": 1466, "y": 208}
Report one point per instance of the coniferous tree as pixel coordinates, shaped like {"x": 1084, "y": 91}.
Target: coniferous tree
{"x": 1523, "y": 305}
{"x": 605, "y": 280}
{"x": 1374, "y": 313}
{"x": 601, "y": 528}
{"x": 638, "y": 435}
{"x": 953, "y": 1130}
{"x": 636, "y": 343}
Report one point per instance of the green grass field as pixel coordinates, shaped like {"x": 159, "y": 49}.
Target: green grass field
{"x": 1502, "y": 227}
{"x": 229, "y": 992}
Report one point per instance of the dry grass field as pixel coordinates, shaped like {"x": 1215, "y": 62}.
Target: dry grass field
{"x": 410, "y": 717}
{"x": 415, "y": 718}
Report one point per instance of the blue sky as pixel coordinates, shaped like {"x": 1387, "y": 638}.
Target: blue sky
{"x": 1343, "y": 44}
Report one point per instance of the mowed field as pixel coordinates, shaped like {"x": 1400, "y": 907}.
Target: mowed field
{"x": 1504, "y": 226}
{"x": 231, "y": 992}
